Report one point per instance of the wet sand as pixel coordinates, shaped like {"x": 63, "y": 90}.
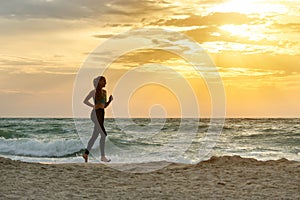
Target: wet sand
{"x": 228, "y": 177}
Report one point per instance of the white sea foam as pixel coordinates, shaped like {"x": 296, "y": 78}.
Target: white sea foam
{"x": 37, "y": 148}
{"x": 50, "y": 140}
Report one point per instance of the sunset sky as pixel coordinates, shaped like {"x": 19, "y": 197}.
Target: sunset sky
{"x": 255, "y": 45}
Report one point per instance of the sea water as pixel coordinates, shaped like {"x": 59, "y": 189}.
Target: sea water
{"x": 63, "y": 140}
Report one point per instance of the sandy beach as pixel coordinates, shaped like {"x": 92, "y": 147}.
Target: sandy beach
{"x": 218, "y": 178}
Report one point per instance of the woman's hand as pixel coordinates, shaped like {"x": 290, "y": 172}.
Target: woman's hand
{"x": 109, "y": 100}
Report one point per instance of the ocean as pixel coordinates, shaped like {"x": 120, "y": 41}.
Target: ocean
{"x": 63, "y": 140}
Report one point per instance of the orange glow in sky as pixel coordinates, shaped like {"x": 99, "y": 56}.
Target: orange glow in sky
{"x": 255, "y": 45}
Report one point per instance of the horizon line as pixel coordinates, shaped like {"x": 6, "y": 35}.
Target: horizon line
{"x": 139, "y": 117}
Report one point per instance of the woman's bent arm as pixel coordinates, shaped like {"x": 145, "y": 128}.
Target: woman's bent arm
{"x": 87, "y": 99}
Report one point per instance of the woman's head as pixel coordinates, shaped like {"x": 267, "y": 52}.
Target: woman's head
{"x": 100, "y": 80}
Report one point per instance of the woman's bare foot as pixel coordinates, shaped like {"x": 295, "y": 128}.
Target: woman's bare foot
{"x": 104, "y": 159}
{"x": 85, "y": 157}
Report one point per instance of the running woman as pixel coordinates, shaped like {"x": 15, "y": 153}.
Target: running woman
{"x": 97, "y": 116}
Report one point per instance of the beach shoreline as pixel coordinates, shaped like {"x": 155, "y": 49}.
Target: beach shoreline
{"x": 226, "y": 177}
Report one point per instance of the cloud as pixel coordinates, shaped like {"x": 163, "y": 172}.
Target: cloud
{"x": 242, "y": 32}
{"x": 247, "y": 30}
{"x": 150, "y": 55}
{"x": 26, "y": 65}
{"x": 29, "y": 80}
{"x": 23, "y": 70}
{"x": 213, "y": 19}
{"x": 286, "y": 64}
{"x": 77, "y": 9}
{"x": 291, "y": 27}
{"x": 257, "y": 78}
{"x": 15, "y": 92}
{"x": 21, "y": 61}
{"x": 52, "y": 9}
{"x": 103, "y": 35}
{"x": 236, "y": 72}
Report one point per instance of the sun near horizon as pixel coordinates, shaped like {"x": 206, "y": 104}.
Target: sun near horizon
{"x": 254, "y": 44}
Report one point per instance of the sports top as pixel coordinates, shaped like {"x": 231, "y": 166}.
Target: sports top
{"x": 101, "y": 99}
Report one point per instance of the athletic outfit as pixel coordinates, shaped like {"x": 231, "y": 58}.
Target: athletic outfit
{"x": 97, "y": 116}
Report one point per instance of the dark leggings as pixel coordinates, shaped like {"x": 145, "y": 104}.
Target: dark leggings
{"x": 97, "y": 117}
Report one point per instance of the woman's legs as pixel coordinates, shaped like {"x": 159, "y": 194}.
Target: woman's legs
{"x": 98, "y": 119}
{"x": 102, "y": 143}
{"x": 92, "y": 139}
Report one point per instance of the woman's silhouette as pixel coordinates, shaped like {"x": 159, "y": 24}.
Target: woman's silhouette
{"x": 97, "y": 116}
